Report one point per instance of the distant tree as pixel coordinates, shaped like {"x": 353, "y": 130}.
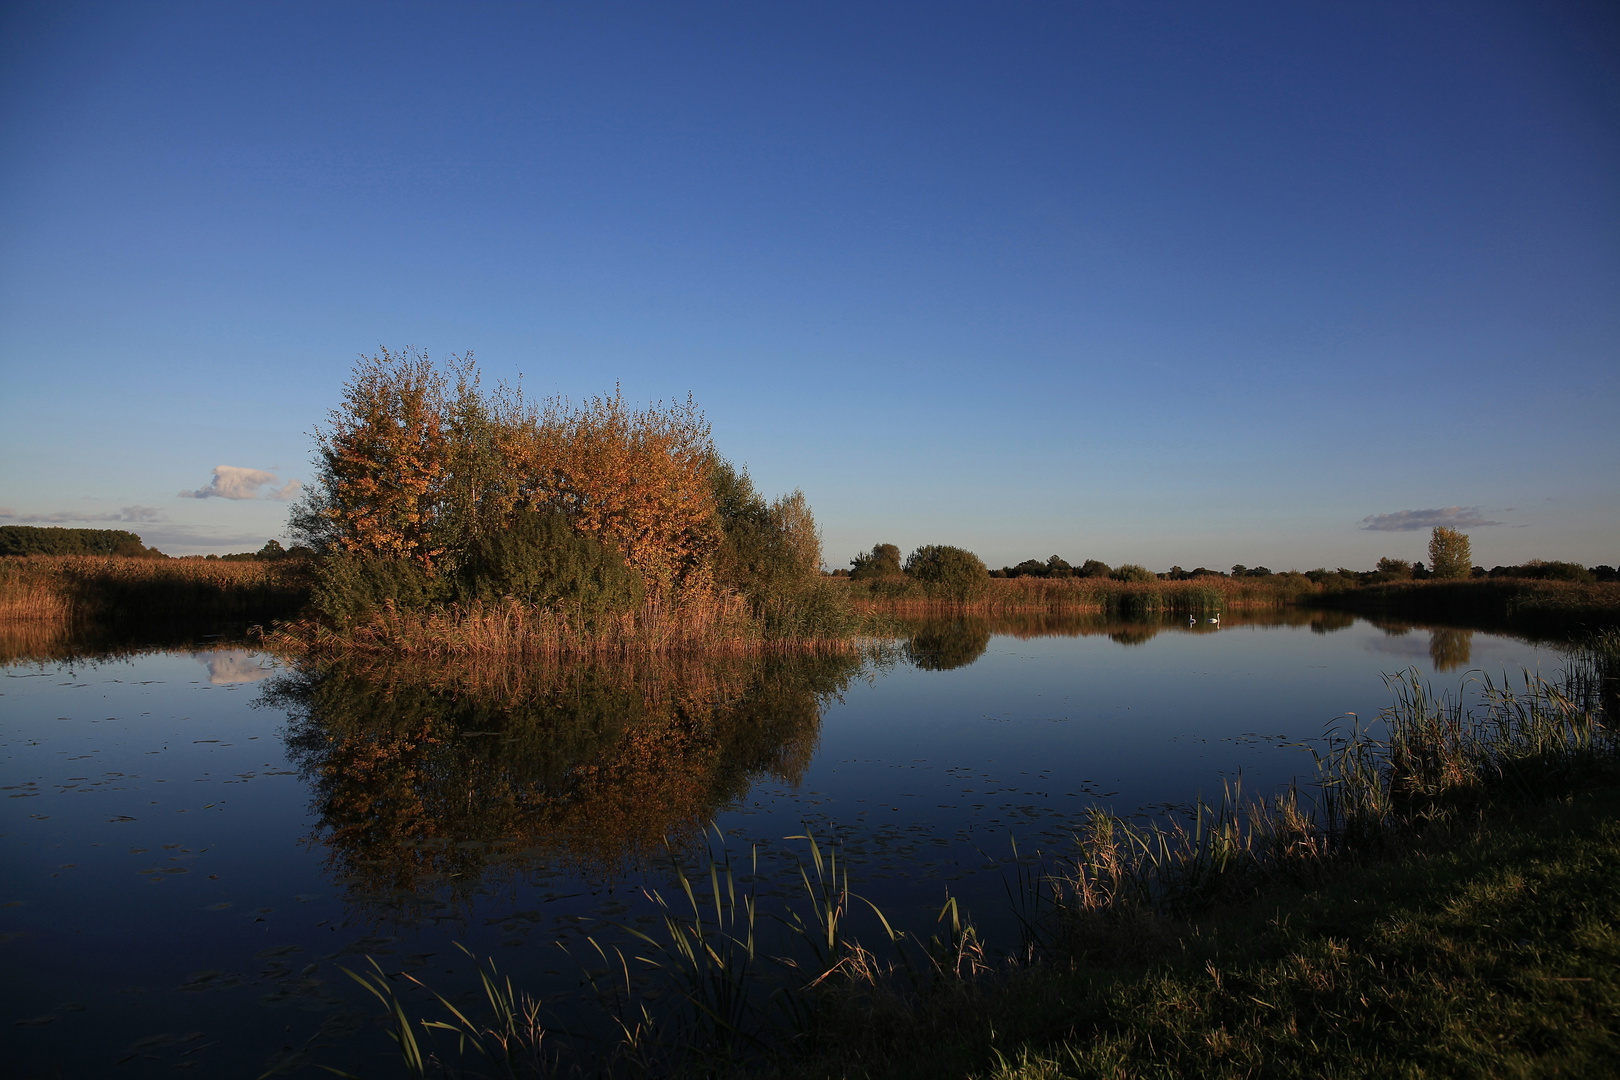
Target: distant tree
{"x": 1449, "y": 553}
{"x": 1133, "y": 572}
{"x": 1056, "y": 567}
{"x": 1394, "y": 569}
{"x": 1094, "y": 568}
{"x": 882, "y": 561}
{"x": 948, "y": 572}
{"x": 1028, "y": 568}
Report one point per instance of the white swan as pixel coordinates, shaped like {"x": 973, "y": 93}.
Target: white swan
{"x": 1216, "y": 619}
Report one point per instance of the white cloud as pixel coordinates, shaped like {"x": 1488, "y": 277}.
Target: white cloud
{"x": 134, "y": 514}
{"x": 233, "y": 482}
{"x": 228, "y": 667}
{"x": 1456, "y": 517}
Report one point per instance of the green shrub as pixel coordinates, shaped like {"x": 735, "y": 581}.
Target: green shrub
{"x": 1132, "y": 572}
{"x": 1094, "y": 568}
{"x": 541, "y": 561}
{"x": 881, "y": 562}
{"x": 352, "y": 588}
{"x": 948, "y": 573}
{"x": 771, "y": 554}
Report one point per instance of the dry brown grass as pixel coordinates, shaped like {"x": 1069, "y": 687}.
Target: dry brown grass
{"x": 70, "y": 588}
{"x": 722, "y": 626}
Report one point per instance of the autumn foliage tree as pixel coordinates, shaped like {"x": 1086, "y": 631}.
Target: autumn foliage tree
{"x": 423, "y": 483}
{"x": 1449, "y": 553}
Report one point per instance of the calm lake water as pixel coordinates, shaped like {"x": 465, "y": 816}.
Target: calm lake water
{"x": 194, "y": 843}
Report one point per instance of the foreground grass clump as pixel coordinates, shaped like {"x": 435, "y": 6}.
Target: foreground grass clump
{"x": 112, "y": 589}
{"x": 1487, "y": 950}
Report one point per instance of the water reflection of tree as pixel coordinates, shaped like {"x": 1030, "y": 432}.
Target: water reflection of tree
{"x": 429, "y": 786}
{"x": 943, "y": 644}
{"x": 1450, "y": 649}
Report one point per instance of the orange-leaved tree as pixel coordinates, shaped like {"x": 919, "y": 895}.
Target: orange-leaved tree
{"x": 635, "y": 479}
{"x": 381, "y": 462}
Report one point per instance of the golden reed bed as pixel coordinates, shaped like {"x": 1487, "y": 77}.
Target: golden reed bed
{"x": 64, "y": 588}
{"x": 722, "y": 626}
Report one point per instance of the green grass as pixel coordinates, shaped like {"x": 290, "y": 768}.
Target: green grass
{"x": 1490, "y": 951}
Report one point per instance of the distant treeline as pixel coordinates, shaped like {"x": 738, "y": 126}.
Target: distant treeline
{"x": 1387, "y": 570}
{"x": 34, "y": 540}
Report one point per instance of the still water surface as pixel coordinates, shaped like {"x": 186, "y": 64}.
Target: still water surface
{"x": 195, "y": 843}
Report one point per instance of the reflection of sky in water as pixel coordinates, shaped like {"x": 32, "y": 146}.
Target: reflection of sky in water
{"x": 157, "y": 877}
{"x": 230, "y": 667}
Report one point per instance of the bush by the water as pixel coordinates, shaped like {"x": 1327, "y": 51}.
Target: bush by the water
{"x": 541, "y": 560}
{"x": 948, "y": 573}
{"x": 433, "y": 501}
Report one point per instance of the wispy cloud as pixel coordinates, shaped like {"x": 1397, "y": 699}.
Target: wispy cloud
{"x": 232, "y": 482}
{"x": 1456, "y": 517}
{"x": 134, "y": 514}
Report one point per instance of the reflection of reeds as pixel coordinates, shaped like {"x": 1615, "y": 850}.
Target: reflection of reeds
{"x": 719, "y": 626}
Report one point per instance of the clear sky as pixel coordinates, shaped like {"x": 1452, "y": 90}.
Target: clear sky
{"x": 1197, "y": 283}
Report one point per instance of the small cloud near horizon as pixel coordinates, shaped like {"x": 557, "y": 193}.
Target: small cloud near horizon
{"x": 232, "y": 482}
{"x": 1455, "y": 517}
{"x": 129, "y": 514}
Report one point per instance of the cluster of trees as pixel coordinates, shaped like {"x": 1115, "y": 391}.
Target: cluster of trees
{"x": 1545, "y": 570}
{"x": 33, "y": 540}
{"x": 428, "y": 491}
{"x": 939, "y": 571}
{"x": 1054, "y": 567}
{"x": 271, "y": 552}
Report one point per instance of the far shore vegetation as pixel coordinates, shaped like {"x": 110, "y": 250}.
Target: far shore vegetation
{"x": 539, "y": 589}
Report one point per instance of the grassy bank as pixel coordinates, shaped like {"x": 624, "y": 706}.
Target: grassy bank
{"x": 1125, "y": 599}
{"x": 1491, "y": 949}
{"x": 111, "y": 589}
{"x": 1559, "y": 609}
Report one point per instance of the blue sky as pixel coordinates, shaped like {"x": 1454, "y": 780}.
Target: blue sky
{"x": 1163, "y": 283}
